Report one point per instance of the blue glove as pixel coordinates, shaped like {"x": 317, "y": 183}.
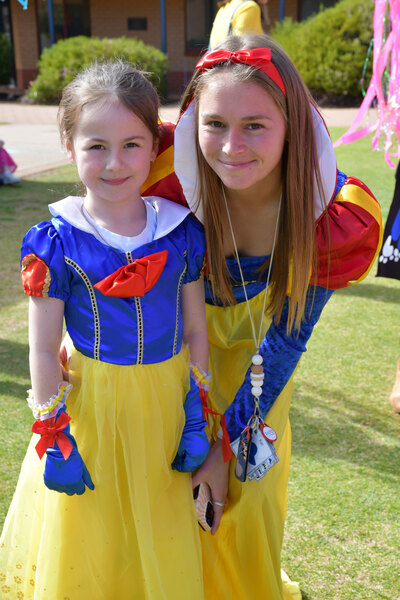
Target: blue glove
{"x": 69, "y": 476}
{"x": 281, "y": 353}
{"x": 194, "y": 444}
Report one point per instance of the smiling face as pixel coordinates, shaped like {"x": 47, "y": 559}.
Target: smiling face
{"x": 241, "y": 135}
{"x": 112, "y": 149}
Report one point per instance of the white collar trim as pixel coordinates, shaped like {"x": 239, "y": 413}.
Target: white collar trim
{"x": 168, "y": 214}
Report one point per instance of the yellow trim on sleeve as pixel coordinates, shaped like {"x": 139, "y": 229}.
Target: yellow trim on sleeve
{"x": 356, "y": 195}
{"x": 161, "y": 168}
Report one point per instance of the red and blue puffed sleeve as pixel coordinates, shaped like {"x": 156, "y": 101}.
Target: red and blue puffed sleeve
{"x": 349, "y": 236}
{"x": 43, "y": 270}
{"x": 196, "y": 247}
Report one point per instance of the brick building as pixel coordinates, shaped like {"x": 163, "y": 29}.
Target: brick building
{"x": 178, "y": 27}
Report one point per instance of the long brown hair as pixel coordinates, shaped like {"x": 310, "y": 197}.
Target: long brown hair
{"x": 295, "y": 253}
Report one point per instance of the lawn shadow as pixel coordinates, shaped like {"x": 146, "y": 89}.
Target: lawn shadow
{"x": 339, "y": 427}
{"x": 13, "y": 389}
{"x": 31, "y": 194}
{"x": 13, "y": 360}
{"x": 373, "y": 291}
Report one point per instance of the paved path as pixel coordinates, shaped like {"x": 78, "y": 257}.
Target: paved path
{"x": 31, "y": 135}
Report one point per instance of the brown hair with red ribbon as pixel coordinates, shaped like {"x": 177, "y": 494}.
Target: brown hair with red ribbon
{"x": 259, "y": 58}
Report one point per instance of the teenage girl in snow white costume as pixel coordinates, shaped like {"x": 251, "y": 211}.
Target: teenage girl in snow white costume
{"x": 256, "y": 164}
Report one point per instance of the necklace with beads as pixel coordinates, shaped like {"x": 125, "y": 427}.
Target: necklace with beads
{"x": 257, "y": 369}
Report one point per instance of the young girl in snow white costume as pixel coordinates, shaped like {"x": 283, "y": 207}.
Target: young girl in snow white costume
{"x": 125, "y": 273}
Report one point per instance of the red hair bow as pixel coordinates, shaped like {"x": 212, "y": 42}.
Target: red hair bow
{"x": 134, "y": 279}
{"x": 259, "y": 58}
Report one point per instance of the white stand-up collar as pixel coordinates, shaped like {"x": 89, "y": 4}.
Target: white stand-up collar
{"x": 162, "y": 217}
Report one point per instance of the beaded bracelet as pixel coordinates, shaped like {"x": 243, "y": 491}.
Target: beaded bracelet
{"x": 50, "y": 408}
{"x": 202, "y": 378}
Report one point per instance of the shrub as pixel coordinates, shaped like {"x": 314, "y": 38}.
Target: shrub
{"x": 59, "y": 64}
{"x": 329, "y": 49}
{"x": 5, "y": 59}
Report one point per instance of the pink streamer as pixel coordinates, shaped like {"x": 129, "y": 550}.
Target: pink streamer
{"x": 386, "y": 57}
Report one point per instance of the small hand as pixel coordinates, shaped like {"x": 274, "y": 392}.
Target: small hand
{"x": 194, "y": 445}
{"x": 215, "y": 472}
{"x": 66, "y": 476}
{"x": 64, "y": 471}
{"x": 65, "y": 356}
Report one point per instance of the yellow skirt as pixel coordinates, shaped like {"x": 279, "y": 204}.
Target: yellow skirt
{"x": 242, "y": 560}
{"x": 135, "y": 537}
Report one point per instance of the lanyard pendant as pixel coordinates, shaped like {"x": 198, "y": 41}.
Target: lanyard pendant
{"x": 268, "y": 432}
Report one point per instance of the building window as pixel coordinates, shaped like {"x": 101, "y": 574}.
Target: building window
{"x": 71, "y": 18}
{"x": 137, "y": 23}
{"x": 5, "y": 19}
{"x": 199, "y": 19}
{"x": 312, "y": 7}
{"x": 6, "y": 28}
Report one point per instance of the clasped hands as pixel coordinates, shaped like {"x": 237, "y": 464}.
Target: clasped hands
{"x": 215, "y": 472}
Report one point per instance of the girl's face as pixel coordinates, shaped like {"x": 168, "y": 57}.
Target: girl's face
{"x": 112, "y": 149}
{"x": 242, "y": 135}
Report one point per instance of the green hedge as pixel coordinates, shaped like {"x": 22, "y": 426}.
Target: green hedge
{"x": 59, "y": 64}
{"x": 330, "y": 48}
{"x": 5, "y": 59}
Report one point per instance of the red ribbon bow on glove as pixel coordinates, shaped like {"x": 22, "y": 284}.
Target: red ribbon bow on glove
{"x": 259, "y": 58}
{"x": 51, "y": 432}
{"x": 226, "y": 443}
{"x": 134, "y": 279}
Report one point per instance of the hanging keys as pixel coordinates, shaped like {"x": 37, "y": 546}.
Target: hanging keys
{"x": 254, "y": 450}
{"x": 243, "y": 453}
{"x": 263, "y": 454}
{"x": 255, "y": 453}
{"x": 244, "y": 447}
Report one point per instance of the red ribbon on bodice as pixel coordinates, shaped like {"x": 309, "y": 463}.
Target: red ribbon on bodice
{"x": 136, "y": 278}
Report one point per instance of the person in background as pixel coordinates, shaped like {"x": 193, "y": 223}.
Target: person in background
{"x": 7, "y": 167}
{"x": 395, "y": 395}
{"x": 239, "y": 17}
{"x": 389, "y": 265}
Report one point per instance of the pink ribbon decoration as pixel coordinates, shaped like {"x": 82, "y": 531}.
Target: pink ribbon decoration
{"x": 134, "y": 279}
{"x": 259, "y": 58}
{"x": 386, "y": 56}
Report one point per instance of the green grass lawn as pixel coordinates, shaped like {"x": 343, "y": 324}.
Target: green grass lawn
{"x": 342, "y": 535}
{"x": 343, "y": 527}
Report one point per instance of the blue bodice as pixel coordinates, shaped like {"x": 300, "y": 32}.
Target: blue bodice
{"x": 124, "y": 331}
